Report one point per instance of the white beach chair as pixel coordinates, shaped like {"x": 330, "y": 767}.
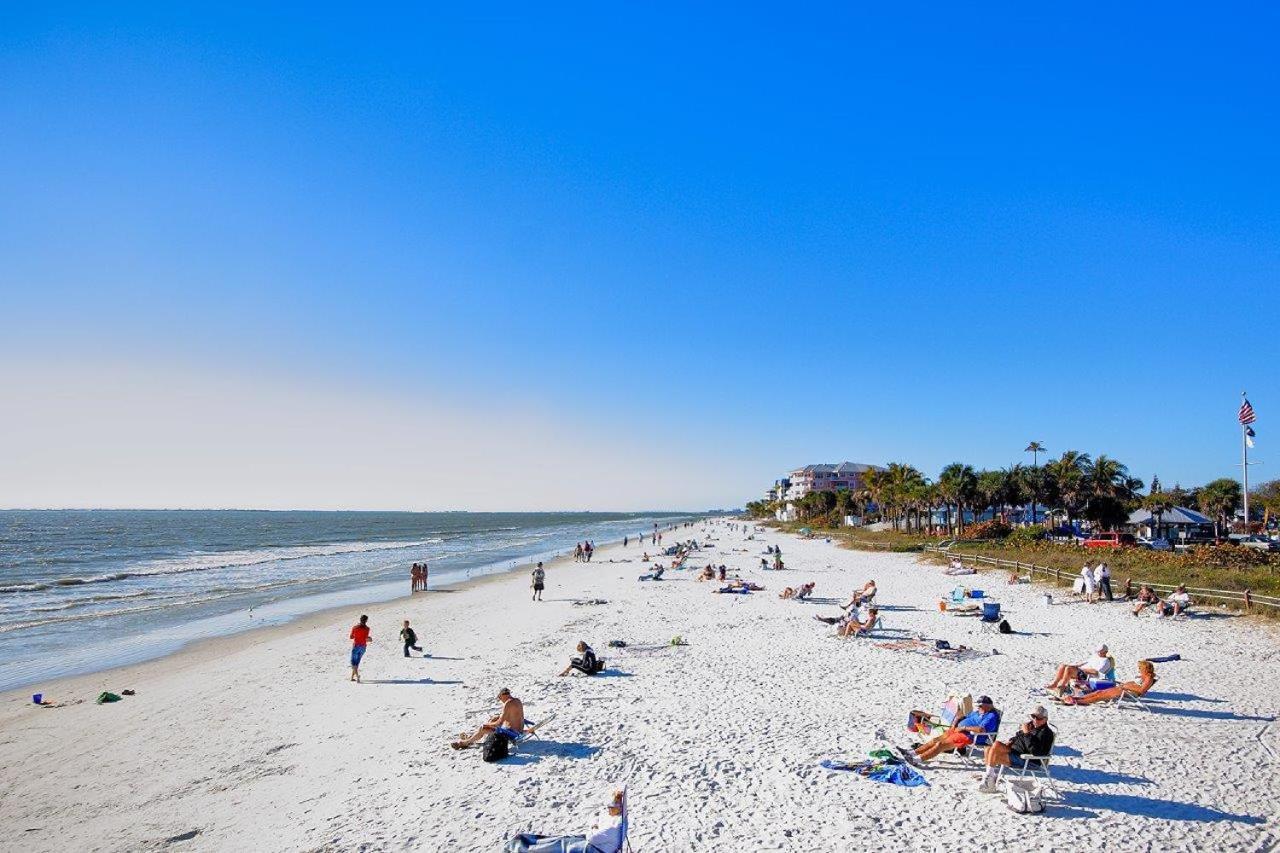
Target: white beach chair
{"x": 1129, "y": 698}
{"x": 1031, "y": 767}
{"x": 531, "y": 731}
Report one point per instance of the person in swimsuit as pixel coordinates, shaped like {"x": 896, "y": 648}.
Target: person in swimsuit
{"x": 511, "y": 718}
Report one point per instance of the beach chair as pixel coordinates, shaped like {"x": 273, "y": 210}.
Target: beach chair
{"x": 975, "y": 755}
{"x": 1031, "y": 767}
{"x": 612, "y": 839}
{"x": 530, "y": 732}
{"x": 1128, "y": 698}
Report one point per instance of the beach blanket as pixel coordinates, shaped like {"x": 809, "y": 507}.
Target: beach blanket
{"x": 880, "y": 769}
{"x": 930, "y": 648}
{"x": 1165, "y": 659}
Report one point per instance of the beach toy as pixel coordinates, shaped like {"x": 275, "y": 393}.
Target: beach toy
{"x": 37, "y": 698}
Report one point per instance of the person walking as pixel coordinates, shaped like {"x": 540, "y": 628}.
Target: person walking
{"x": 423, "y": 575}
{"x": 410, "y": 639}
{"x": 360, "y": 637}
{"x": 539, "y": 581}
{"x": 413, "y": 578}
{"x": 1104, "y": 580}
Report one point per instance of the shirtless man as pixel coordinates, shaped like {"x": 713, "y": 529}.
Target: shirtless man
{"x": 512, "y": 717}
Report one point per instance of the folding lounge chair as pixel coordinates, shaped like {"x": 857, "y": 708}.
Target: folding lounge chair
{"x": 1129, "y": 697}
{"x": 975, "y": 754}
{"x": 530, "y": 731}
{"x": 1031, "y": 767}
{"x": 610, "y": 840}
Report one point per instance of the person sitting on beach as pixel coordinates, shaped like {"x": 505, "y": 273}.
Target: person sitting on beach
{"x": 511, "y": 718}
{"x": 984, "y": 720}
{"x": 1146, "y": 679}
{"x": 1098, "y": 666}
{"x": 722, "y": 572}
{"x": 1176, "y": 603}
{"x": 588, "y": 664}
{"x": 608, "y": 834}
{"x": 1146, "y": 597}
{"x": 708, "y": 573}
{"x": 1033, "y": 738}
{"x": 852, "y": 627}
{"x": 865, "y": 594}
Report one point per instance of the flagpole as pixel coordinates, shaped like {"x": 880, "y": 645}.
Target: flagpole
{"x": 1244, "y": 465}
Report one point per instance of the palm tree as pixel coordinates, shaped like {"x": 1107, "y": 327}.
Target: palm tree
{"x": 956, "y": 485}
{"x": 1013, "y": 488}
{"x": 1068, "y": 472}
{"x": 1035, "y": 448}
{"x": 1157, "y": 503}
{"x": 1220, "y": 498}
{"x": 987, "y": 490}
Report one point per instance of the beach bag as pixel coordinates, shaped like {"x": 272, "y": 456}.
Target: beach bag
{"x": 495, "y": 747}
{"x": 1022, "y": 799}
{"x": 1005, "y": 627}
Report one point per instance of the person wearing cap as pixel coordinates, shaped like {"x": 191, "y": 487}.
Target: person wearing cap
{"x": 1100, "y": 666}
{"x": 980, "y": 724}
{"x": 511, "y": 717}
{"x": 1034, "y": 738}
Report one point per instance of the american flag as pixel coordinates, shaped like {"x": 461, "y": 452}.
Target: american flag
{"x": 1246, "y": 413}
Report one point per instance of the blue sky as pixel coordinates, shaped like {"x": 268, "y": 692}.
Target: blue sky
{"x": 708, "y": 244}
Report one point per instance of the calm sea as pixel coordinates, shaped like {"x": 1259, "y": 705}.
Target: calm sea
{"x": 86, "y": 590}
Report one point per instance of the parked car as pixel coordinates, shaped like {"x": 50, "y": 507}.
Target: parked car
{"x": 1160, "y": 544}
{"x": 1110, "y": 540}
{"x": 1260, "y": 543}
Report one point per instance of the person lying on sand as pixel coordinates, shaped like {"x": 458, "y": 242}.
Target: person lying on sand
{"x": 588, "y": 663}
{"x": 802, "y": 591}
{"x": 1146, "y": 678}
{"x": 511, "y": 717}
{"x": 739, "y": 585}
{"x": 981, "y": 723}
{"x": 1034, "y": 738}
{"x": 1098, "y": 666}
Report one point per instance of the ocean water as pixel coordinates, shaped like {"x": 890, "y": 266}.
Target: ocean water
{"x": 85, "y": 590}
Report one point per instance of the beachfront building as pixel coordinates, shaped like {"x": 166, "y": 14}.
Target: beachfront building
{"x": 826, "y": 477}
{"x": 1178, "y": 524}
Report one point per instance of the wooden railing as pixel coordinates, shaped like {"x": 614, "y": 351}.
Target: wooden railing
{"x": 1245, "y": 600}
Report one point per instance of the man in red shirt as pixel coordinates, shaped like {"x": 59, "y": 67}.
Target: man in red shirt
{"x": 360, "y": 637}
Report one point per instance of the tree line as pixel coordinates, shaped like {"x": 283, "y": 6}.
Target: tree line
{"x": 1077, "y": 486}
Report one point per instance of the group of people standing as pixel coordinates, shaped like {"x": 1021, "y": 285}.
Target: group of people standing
{"x": 1095, "y": 582}
{"x": 582, "y": 552}
{"x": 418, "y": 577}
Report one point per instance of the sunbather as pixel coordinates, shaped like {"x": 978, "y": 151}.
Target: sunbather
{"x": 1098, "y": 666}
{"x": 984, "y": 720}
{"x": 1146, "y": 597}
{"x": 608, "y": 833}
{"x": 1034, "y": 738}
{"x": 587, "y": 664}
{"x": 852, "y": 627}
{"x": 867, "y": 593}
{"x": 798, "y": 592}
{"x": 511, "y": 719}
{"x": 1146, "y": 678}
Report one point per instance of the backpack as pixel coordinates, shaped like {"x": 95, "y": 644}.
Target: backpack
{"x": 1022, "y": 799}
{"x": 495, "y": 747}
{"x": 1004, "y": 627}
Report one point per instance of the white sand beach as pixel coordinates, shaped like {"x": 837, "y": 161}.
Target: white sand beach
{"x": 259, "y": 741}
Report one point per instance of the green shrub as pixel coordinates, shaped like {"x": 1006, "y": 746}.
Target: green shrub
{"x": 1026, "y": 535}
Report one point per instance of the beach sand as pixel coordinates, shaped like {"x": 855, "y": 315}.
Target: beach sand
{"x": 258, "y": 741}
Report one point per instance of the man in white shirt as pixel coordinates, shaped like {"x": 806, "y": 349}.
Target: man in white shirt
{"x": 1098, "y": 666}
{"x": 1177, "y": 602}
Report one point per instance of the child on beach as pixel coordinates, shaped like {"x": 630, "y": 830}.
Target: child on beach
{"x": 410, "y": 638}
{"x": 539, "y": 581}
{"x": 360, "y": 637}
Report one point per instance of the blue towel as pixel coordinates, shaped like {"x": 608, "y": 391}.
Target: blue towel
{"x": 1165, "y": 659}
{"x": 897, "y": 774}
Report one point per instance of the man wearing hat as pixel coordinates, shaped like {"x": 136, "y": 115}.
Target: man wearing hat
{"x": 1034, "y": 738}
{"x": 975, "y": 727}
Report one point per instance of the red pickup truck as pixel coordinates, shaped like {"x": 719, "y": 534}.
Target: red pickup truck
{"x": 1110, "y": 540}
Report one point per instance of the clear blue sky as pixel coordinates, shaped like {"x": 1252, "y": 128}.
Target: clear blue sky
{"x": 707, "y": 245}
